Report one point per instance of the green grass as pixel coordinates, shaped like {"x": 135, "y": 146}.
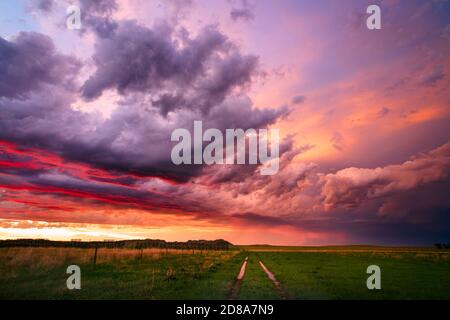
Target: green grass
{"x": 256, "y": 285}
{"x": 313, "y": 275}
{"x": 207, "y": 275}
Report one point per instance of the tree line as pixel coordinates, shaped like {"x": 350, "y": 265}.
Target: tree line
{"x": 219, "y": 244}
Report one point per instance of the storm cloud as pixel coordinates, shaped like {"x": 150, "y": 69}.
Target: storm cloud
{"x": 205, "y": 79}
{"x": 352, "y": 186}
{"x": 30, "y": 62}
{"x": 86, "y": 118}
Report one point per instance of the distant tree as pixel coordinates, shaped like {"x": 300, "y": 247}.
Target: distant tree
{"x": 134, "y": 244}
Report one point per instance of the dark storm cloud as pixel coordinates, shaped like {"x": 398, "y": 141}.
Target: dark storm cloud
{"x": 30, "y": 61}
{"x": 137, "y": 59}
{"x": 134, "y": 138}
{"x": 204, "y": 80}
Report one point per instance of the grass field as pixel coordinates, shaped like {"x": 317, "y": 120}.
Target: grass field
{"x": 313, "y": 275}
{"x": 302, "y": 273}
{"x": 40, "y": 273}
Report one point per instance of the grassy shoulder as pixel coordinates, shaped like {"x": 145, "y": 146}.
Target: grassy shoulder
{"x": 129, "y": 275}
{"x": 343, "y": 275}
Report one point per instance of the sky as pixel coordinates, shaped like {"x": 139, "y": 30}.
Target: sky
{"x": 86, "y": 118}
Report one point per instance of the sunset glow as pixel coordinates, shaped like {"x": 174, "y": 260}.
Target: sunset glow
{"x": 86, "y": 118}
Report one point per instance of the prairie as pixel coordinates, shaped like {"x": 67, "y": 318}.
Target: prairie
{"x": 340, "y": 272}
{"x": 333, "y": 272}
{"x": 40, "y": 273}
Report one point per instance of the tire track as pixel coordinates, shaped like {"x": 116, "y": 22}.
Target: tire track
{"x": 234, "y": 293}
{"x": 274, "y": 280}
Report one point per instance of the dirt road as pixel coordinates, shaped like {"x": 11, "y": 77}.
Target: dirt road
{"x": 234, "y": 293}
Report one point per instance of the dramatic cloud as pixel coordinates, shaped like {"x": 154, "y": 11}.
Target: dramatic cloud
{"x": 199, "y": 75}
{"x": 86, "y": 118}
{"x": 30, "y": 62}
{"x": 351, "y": 186}
{"x": 145, "y": 68}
